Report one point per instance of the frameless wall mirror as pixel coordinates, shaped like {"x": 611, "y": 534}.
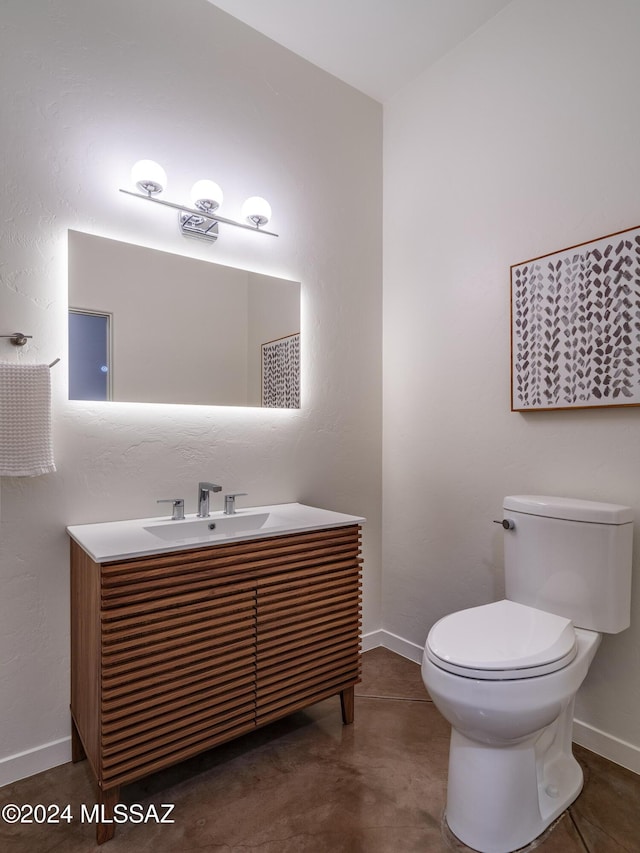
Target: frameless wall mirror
{"x": 151, "y": 327}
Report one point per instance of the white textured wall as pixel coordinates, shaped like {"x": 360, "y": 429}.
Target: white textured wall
{"x": 521, "y": 141}
{"x": 86, "y": 89}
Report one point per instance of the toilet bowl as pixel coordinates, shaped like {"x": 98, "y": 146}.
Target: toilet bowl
{"x": 505, "y": 675}
{"x": 511, "y": 769}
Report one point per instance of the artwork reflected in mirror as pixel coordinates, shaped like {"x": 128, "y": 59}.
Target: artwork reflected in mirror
{"x": 148, "y": 326}
{"x": 281, "y": 373}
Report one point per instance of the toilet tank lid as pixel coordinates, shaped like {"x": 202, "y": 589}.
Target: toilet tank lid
{"x": 571, "y": 509}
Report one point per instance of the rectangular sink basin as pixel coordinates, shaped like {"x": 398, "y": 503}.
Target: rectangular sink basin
{"x": 108, "y": 541}
{"x": 212, "y": 527}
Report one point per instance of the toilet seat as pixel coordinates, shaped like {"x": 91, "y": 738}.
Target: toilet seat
{"x": 502, "y": 641}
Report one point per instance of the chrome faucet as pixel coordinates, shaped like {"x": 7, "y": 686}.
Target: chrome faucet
{"x": 203, "y": 497}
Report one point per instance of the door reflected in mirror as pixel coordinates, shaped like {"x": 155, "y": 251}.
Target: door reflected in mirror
{"x": 89, "y": 356}
{"x": 147, "y": 326}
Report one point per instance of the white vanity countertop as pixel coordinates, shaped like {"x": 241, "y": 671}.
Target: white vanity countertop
{"x": 120, "y": 540}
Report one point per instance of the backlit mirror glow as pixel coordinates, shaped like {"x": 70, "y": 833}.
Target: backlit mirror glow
{"x": 180, "y": 330}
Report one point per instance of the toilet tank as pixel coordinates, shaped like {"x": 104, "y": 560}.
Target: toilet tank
{"x": 570, "y": 557}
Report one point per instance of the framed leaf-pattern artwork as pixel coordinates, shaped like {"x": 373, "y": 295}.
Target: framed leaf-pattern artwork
{"x": 575, "y": 326}
{"x": 281, "y": 373}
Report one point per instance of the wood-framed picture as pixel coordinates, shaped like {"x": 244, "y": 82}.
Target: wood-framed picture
{"x": 575, "y": 326}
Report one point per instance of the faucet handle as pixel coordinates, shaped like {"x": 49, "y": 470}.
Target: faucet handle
{"x": 230, "y": 502}
{"x": 178, "y": 507}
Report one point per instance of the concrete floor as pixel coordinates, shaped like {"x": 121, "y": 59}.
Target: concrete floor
{"x": 308, "y": 783}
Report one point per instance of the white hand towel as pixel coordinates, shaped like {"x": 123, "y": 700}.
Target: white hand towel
{"x": 26, "y": 442}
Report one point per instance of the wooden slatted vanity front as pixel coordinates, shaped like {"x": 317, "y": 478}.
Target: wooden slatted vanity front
{"x": 176, "y": 653}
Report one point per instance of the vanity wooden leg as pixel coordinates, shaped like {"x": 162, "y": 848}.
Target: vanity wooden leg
{"x": 77, "y": 749}
{"x": 347, "y": 697}
{"x": 107, "y": 799}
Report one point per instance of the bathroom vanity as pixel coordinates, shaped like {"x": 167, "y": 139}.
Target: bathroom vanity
{"x": 187, "y": 637}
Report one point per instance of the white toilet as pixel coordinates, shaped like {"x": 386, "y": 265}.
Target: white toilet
{"x": 505, "y": 675}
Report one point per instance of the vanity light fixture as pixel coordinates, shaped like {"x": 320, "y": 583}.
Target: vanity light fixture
{"x": 201, "y": 220}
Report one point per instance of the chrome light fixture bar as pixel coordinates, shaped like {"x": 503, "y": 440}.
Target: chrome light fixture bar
{"x": 200, "y": 221}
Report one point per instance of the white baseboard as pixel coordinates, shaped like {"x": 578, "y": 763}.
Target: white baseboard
{"x": 606, "y": 745}
{"x": 36, "y": 760}
{"x": 402, "y": 647}
{"x": 372, "y": 640}
{"x": 394, "y": 643}
{"x": 390, "y": 641}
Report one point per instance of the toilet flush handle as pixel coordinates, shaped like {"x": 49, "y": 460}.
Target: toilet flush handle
{"x": 507, "y": 523}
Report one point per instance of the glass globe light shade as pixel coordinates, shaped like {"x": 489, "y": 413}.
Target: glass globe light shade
{"x": 149, "y": 176}
{"x": 206, "y": 195}
{"x": 256, "y": 210}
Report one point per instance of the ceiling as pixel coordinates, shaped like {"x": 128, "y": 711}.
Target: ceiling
{"x": 377, "y": 46}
